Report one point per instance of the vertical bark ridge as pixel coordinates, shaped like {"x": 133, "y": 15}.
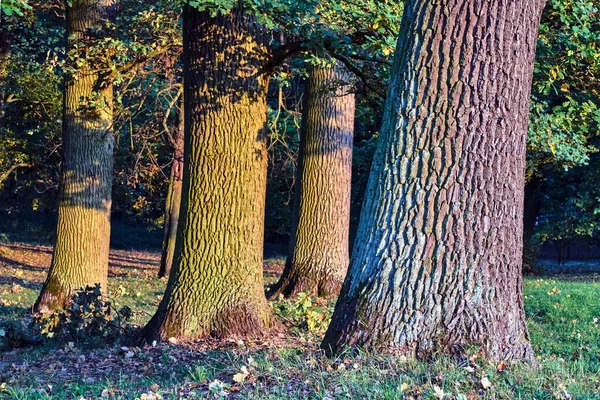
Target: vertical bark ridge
{"x": 319, "y": 250}
{"x": 437, "y": 260}
{"x": 216, "y": 285}
{"x": 81, "y": 251}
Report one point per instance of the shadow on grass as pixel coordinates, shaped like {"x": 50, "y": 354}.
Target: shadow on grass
{"x": 11, "y": 281}
{"x": 19, "y": 265}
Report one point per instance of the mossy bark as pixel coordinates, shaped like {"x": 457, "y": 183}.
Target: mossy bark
{"x": 216, "y": 285}
{"x": 436, "y": 265}
{"x": 173, "y": 202}
{"x": 80, "y": 255}
{"x": 319, "y": 250}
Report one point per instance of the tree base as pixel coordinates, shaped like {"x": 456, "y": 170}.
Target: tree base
{"x": 240, "y": 322}
{"x": 504, "y": 339}
{"x": 290, "y": 286}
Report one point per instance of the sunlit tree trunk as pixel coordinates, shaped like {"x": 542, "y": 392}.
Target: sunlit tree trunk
{"x": 80, "y": 255}
{"x": 216, "y": 285}
{"x": 318, "y": 257}
{"x": 173, "y": 200}
{"x": 436, "y": 265}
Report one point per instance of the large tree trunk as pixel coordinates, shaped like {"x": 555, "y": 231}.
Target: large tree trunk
{"x": 80, "y": 255}
{"x": 436, "y": 265}
{"x": 173, "y": 200}
{"x": 216, "y": 285}
{"x": 319, "y": 256}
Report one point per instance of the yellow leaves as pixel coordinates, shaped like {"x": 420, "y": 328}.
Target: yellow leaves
{"x": 552, "y": 148}
{"x": 554, "y": 291}
{"x": 240, "y": 377}
{"x": 502, "y": 366}
{"x": 404, "y": 387}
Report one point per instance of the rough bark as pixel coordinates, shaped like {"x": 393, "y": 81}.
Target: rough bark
{"x": 216, "y": 285}
{"x": 319, "y": 255}
{"x": 436, "y": 265}
{"x": 173, "y": 200}
{"x": 80, "y": 255}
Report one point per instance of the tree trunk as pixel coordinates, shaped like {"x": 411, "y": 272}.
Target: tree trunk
{"x": 173, "y": 200}
{"x": 319, "y": 255}
{"x": 80, "y": 255}
{"x": 216, "y": 285}
{"x": 436, "y": 265}
{"x": 531, "y": 212}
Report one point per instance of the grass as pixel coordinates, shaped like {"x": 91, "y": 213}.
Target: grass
{"x": 563, "y": 315}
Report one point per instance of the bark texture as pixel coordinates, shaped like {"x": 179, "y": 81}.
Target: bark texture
{"x": 173, "y": 200}
{"x": 80, "y": 255}
{"x": 319, "y": 250}
{"x": 436, "y": 265}
{"x": 216, "y": 285}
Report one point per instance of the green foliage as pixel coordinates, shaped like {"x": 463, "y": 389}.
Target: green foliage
{"x": 565, "y": 121}
{"x": 270, "y": 13}
{"x": 89, "y": 319}
{"x": 565, "y": 109}
{"x": 10, "y": 7}
{"x": 305, "y": 313}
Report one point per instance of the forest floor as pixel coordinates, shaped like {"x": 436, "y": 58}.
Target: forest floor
{"x": 563, "y": 314}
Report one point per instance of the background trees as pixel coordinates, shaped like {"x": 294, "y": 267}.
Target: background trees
{"x": 562, "y": 139}
{"x": 319, "y": 246}
{"x": 83, "y": 232}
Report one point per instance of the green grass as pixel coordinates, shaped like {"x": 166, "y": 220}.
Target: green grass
{"x": 564, "y": 321}
{"x": 563, "y": 317}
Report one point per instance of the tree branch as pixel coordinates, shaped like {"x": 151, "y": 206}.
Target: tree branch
{"x": 13, "y": 168}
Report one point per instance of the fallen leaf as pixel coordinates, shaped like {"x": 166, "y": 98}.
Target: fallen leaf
{"x": 485, "y": 383}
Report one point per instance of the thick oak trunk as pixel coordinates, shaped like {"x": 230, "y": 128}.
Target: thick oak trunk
{"x": 436, "y": 265}
{"x": 173, "y": 200}
{"x": 319, "y": 256}
{"x": 216, "y": 285}
{"x": 80, "y": 255}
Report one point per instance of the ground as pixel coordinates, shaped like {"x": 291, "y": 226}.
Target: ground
{"x": 563, "y": 315}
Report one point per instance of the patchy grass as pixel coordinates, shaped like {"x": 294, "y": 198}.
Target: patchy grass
{"x": 563, "y": 317}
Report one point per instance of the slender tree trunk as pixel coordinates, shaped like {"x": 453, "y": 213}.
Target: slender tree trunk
{"x": 319, "y": 255}
{"x": 173, "y": 200}
{"x": 436, "y": 265}
{"x": 5, "y": 41}
{"x": 216, "y": 285}
{"x": 531, "y": 212}
{"x": 80, "y": 255}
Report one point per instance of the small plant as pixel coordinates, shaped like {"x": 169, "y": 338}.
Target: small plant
{"x": 306, "y": 313}
{"x": 90, "y": 318}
